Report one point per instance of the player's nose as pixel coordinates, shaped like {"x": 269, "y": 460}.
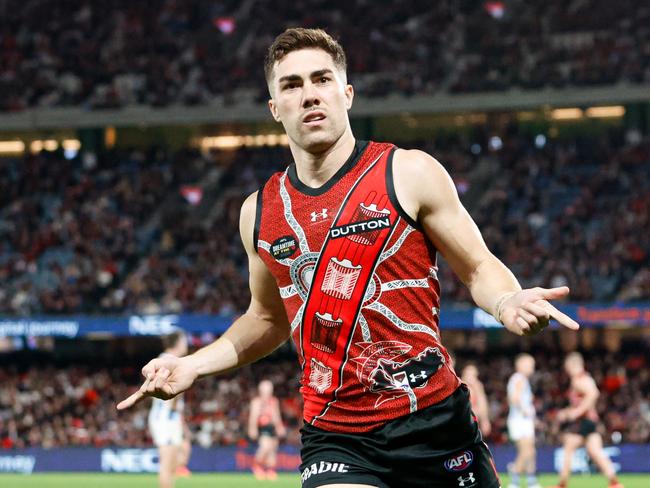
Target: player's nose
{"x": 309, "y": 96}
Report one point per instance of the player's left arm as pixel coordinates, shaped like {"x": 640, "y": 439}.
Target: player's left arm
{"x": 277, "y": 421}
{"x": 587, "y": 386}
{"x": 253, "y": 417}
{"x": 483, "y": 408}
{"x": 428, "y": 195}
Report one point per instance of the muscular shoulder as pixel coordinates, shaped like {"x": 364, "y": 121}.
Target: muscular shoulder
{"x": 247, "y": 220}
{"x": 413, "y": 163}
{"x": 421, "y": 182}
{"x": 586, "y": 383}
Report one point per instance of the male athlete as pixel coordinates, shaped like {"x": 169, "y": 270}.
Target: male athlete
{"x": 166, "y": 422}
{"x": 342, "y": 258}
{"x": 521, "y": 421}
{"x": 477, "y": 397}
{"x": 265, "y": 426}
{"x": 580, "y": 422}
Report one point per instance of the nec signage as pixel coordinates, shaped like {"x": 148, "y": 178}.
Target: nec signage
{"x": 153, "y": 324}
{"x": 130, "y": 460}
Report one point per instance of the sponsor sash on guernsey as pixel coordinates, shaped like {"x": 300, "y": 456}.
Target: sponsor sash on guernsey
{"x": 345, "y": 266}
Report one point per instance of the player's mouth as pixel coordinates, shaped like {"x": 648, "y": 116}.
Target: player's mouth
{"x": 315, "y": 117}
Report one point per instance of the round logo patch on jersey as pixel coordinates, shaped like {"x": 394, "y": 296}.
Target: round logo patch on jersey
{"x": 284, "y": 247}
{"x": 459, "y": 462}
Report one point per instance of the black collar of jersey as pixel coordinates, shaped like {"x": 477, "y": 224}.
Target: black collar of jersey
{"x": 359, "y": 148}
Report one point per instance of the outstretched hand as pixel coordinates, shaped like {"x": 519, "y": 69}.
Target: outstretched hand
{"x": 528, "y": 311}
{"x": 165, "y": 377}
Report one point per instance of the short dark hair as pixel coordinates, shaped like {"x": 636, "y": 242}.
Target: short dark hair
{"x": 170, "y": 340}
{"x": 297, "y": 38}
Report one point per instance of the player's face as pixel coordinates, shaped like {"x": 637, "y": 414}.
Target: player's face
{"x": 572, "y": 367}
{"x": 530, "y": 366}
{"x": 310, "y": 98}
{"x": 266, "y": 389}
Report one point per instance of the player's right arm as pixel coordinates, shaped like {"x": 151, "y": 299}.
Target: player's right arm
{"x": 277, "y": 420}
{"x": 255, "y": 334}
{"x": 253, "y": 416}
{"x": 483, "y": 409}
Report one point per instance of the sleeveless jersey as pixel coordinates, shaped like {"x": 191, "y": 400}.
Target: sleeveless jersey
{"x": 267, "y": 409}
{"x": 522, "y": 410}
{"x": 576, "y": 396}
{"x": 358, "y": 279}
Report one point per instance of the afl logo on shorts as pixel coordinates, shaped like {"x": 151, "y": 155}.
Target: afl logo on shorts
{"x": 283, "y": 247}
{"x": 460, "y": 462}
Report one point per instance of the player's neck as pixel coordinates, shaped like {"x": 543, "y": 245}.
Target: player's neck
{"x": 315, "y": 169}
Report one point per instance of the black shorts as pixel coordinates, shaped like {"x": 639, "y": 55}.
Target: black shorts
{"x": 267, "y": 430}
{"x": 582, "y": 427}
{"x": 439, "y": 446}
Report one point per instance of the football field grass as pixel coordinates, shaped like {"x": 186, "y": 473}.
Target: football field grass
{"x": 63, "y": 480}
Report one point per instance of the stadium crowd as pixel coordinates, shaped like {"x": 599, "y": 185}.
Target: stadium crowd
{"x": 115, "y": 236}
{"x": 164, "y": 52}
{"x": 71, "y": 229}
{"x": 51, "y": 406}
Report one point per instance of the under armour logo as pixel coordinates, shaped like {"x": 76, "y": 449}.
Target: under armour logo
{"x": 414, "y": 377}
{"x": 469, "y": 479}
{"x": 322, "y": 215}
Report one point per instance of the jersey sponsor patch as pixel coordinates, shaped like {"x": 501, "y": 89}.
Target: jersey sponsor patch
{"x": 323, "y": 467}
{"x": 284, "y": 247}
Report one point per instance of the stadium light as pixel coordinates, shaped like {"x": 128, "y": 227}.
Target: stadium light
{"x": 50, "y": 145}
{"x": 234, "y": 142}
{"x": 605, "y": 112}
{"x": 36, "y": 146}
{"x": 71, "y": 144}
{"x": 566, "y": 114}
{"x": 12, "y": 147}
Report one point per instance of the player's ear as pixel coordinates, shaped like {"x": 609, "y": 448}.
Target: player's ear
{"x": 274, "y": 110}
{"x": 349, "y": 96}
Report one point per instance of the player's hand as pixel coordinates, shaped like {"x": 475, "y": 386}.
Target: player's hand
{"x": 527, "y": 312}
{"x": 253, "y": 435}
{"x": 165, "y": 378}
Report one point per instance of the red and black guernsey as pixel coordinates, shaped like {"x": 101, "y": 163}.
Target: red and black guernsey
{"x": 358, "y": 278}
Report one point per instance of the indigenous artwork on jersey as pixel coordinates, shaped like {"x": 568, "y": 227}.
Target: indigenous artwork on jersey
{"x": 341, "y": 275}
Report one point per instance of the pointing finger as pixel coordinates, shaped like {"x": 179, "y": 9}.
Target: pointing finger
{"x": 145, "y": 385}
{"x": 131, "y": 400}
{"x": 562, "y": 318}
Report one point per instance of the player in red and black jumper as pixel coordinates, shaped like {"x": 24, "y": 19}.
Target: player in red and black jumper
{"x": 342, "y": 256}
